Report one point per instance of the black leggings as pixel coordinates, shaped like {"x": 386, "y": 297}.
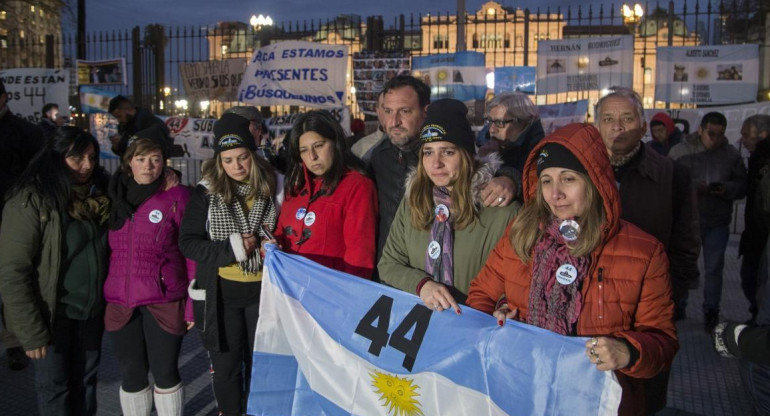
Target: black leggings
{"x": 231, "y": 384}
{"x": 142, "y": 345}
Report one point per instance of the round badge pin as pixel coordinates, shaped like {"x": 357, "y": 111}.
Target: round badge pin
{"x": 434, "y": 250}
{"x": 566, "y": 274}
{"x": 156, "y": 216}
{"x": 309, "y": 219}
{"x": 442, "y": 212}
{"x": 300, "y": 213}
{"x": 569, "y": 229}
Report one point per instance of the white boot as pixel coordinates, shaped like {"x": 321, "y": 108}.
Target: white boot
{"x": 136, "y": 404}
{"x": 169, "y": 402}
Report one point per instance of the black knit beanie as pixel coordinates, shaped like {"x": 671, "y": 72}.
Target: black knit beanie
{"x": 554, "y": 155}
{"x": 231, "y": 131}
{"x": 446, "y": 121}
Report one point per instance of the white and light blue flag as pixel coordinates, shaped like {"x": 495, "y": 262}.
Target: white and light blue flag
{"x": 727, "y": 74}
{"x": 584, "y": 64}
{"x": 95, "y": 100}
{"x": 459, "y": 75}
{"x": 329, "y": 343}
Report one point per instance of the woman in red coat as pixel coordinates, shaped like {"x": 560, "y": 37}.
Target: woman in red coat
{"x": 569, "y": 264}
{"x": 330, "y": 211}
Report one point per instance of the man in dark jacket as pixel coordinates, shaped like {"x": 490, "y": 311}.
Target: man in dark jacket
{"x": 405, "y": 101}
{"x": 719, "y": 177}
{"x": 21, "y": 140}
{"x": 50, "y": 120}
{"x": 754, "y": 131}
{"x": 657, "y": 196}
{"x": 514, "y": 124}
{"x": 131, "y": 120}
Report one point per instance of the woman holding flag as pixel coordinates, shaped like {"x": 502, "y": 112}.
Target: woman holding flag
{"x": 569, "y": 264}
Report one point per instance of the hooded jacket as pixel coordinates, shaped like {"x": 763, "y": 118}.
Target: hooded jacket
{"x": 403, "y": 259}
{"x": 336, "y": 230}
{"x": 627, "y": 293}
{"x": 673, "y": 134}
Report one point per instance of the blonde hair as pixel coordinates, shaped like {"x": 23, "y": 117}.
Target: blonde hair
{"x": 421, "y": 195}
{"x": 261, "y": 178}
{"x": 527, "y": 227}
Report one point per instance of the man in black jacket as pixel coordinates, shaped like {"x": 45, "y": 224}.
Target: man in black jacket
{"x": 754, "y": 131}
{"x": 132, "y": 120}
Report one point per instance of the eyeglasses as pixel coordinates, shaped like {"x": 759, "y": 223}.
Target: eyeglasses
{"x": 498, "y": 123}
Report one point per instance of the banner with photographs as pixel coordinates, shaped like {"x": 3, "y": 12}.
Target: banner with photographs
{"x": 107, "y": 72}
{"x": 296, "y": 73}
{"x": 370, "y": 72}
{"x": 459, "y": 75}
{"x": 726, "y": 74}
{"x": 515, "y": 78}
{"x": 212, "y": 80}
{"x": 29, "y": 89}
{"x": 584, "y": 64}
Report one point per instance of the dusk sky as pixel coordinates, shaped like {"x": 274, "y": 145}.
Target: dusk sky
{"x": 120, "y": 14}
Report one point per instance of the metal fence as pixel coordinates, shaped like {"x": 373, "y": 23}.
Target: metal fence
{"x": 508, "y": 37}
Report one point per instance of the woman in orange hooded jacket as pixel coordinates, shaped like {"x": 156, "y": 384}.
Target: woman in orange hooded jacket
{"x": 569, "y": 264}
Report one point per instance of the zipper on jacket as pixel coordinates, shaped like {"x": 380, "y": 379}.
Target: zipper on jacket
{"x": 130, "y": 259}
{"x": 163, "y": 222}
{"x": 600, "y": 281}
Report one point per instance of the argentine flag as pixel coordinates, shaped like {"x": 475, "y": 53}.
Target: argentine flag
{"x": 95, "y": 100}
{"x": 459, "y": 75}
{"x": 328, "y": 343}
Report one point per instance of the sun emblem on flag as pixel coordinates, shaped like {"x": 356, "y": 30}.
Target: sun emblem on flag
{"x": 398, "y": 393}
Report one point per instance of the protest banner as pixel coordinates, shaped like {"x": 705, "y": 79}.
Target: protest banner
{"x": 555, "y": 116}
{"x": 105, "y": 72}
{"x": 296, "y": 73}
{"x": 727, "y": 74}
{"x": 29, "y": 89}
{"x": 279, "y": 125}
{"x": 331, "y": 343}
{"x": 584, "y": 64}
{"x": 515, "y": 78}
{"x": 212, "y": 80}
{"x": 459, "y": 75}
{"x": 371, "y": 70}
{"x": 194, "y": 136}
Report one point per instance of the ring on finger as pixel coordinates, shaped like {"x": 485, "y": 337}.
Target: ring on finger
{"x": 593, "y": 353}
{"x": 435, "y": 306}
{"x": 501, "y": 199}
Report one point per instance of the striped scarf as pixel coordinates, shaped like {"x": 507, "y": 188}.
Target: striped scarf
{"x": 226, "y": 219}
{"x": 552, "y": 305}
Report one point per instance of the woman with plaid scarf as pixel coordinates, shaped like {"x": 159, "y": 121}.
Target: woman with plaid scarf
{"x": 222, "y": 230}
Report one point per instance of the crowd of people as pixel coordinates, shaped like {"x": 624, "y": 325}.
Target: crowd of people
{"x": 587, "y": 232}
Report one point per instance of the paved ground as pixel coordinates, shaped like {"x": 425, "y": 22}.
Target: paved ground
{"x": 702, "y": 383}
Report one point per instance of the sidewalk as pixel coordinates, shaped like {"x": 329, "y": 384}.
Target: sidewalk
{"x": 701, "y": 383}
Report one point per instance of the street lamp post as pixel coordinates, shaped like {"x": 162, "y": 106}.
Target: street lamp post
{"x": 632, "y": 15}
{"x": 257, "y": 23}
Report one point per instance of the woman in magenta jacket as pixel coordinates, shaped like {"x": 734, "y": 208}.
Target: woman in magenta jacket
{"x": 330, "y": 211}
{"x": 146, "y": 288}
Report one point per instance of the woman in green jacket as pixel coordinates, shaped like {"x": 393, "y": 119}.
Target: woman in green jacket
{"x": 442, "y": 233}
{"x": 54, "y": 245}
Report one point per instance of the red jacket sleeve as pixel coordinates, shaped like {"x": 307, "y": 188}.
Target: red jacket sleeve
{"x": 489, "y": 284}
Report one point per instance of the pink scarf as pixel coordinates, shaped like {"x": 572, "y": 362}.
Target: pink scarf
{"x": 553, "y": 305}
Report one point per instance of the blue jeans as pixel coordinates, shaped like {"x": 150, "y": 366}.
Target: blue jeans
{"x": 756, "y": 380}
{"x": 65, "y": 380}
{"x": 714, "y": 242}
